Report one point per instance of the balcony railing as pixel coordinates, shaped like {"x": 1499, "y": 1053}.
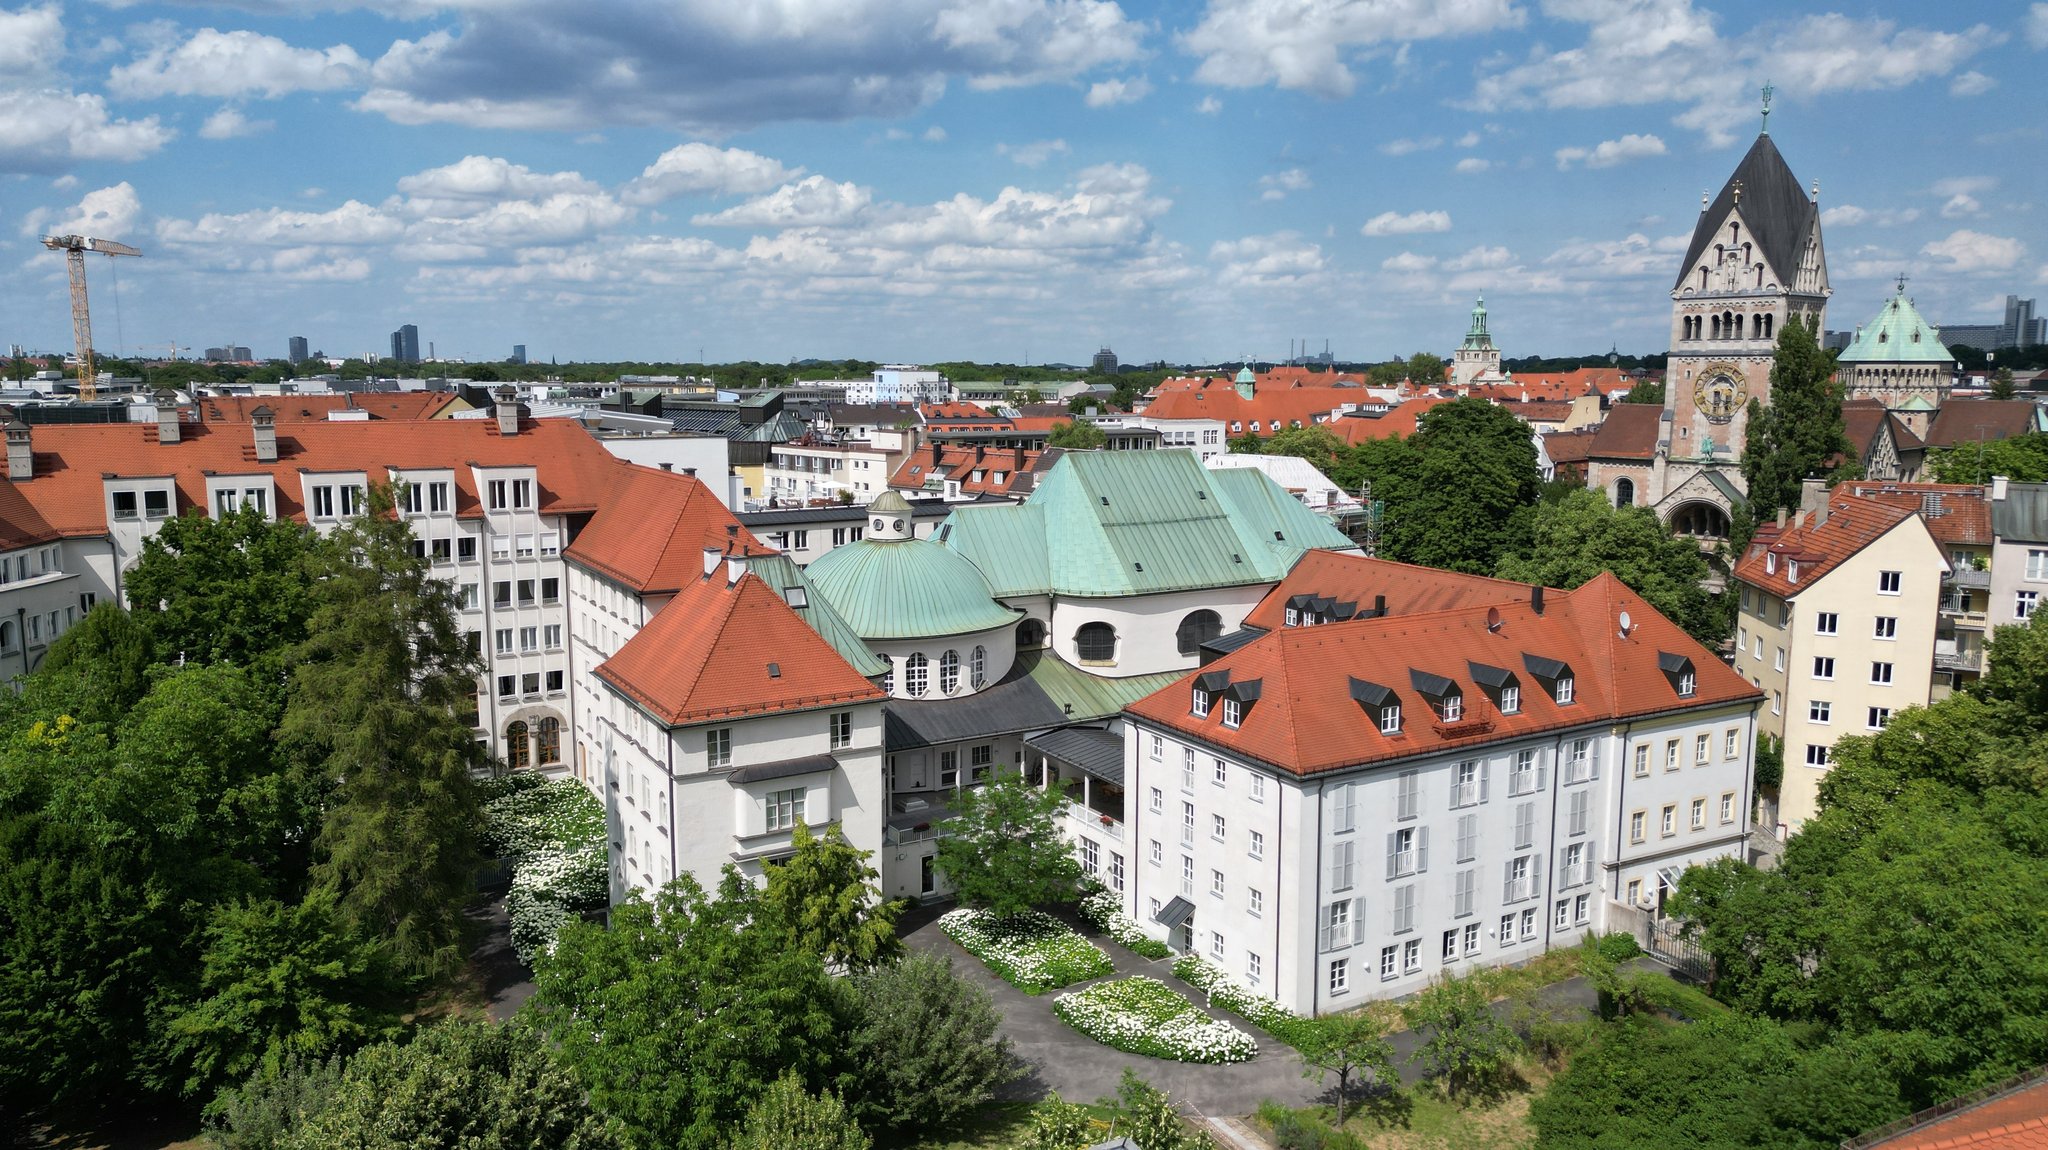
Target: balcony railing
{"x": 1096, "y": 821}
{"x": 1519, "y": 889}
{"x": 1464, "y": 794}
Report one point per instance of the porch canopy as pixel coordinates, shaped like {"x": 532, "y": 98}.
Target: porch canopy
{"x": 1090, "y": 750}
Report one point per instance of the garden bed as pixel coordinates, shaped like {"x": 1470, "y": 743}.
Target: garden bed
{"x": 1104, "y": 911}
{"x": 1140, "y": 1015}
{"x": 1239, "y": 999}
{"x": 1031, "y": 951}
{"x": 552, "y": 834}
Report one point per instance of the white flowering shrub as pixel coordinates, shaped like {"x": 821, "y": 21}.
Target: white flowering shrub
{"x": 1031, "y": 951}
{"x": 553, "y": 835}
{"x": 1104, "y": 911}
{"x": 1237, "y": 998}
{"x": 1140, "y": 1015}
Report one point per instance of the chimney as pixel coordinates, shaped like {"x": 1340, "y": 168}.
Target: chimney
{"x": 21, "y": 458}
{"x": 1781, "y": 519}
{"x": 1379, "y": 606}
{"x": 735, "y": 567}
{"x": 264, "y": 422}
{"x": 1813, "y": 496}
{"x": 1998, "y": 488}
{"x": 1536, "y": 598}
{"x": 712, "y": 555}
{"x": 689, "y": 471}
{"x": 167, "y": 416}
{"x": 506, "y": 405}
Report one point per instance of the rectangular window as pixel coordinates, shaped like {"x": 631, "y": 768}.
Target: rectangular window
{"x": 465, "y": 549}
{"x": 1563, "y": 913}
{"x": 1258, "y": 786}
{"x": 529, "y": 639}
{"x": 1881, "y": 673}
{"x": 1816, "y": 754}
{"x": 1507, "y": 930}
{"x": 1667, "y": 820}
{"x": 1888, "y": 582}
{"x": 1158, "y": 801}
{"x": 1216, "y": 882}
{"x": 1411, "y": 956}
{"x": 1471, "y": 939}
{"x": 555, "y": 682}
{"x": 1450, "y": 951}
{"x": 1702, "y": 746}
{"x": 1576, "y": 812}
{"x": 1187, "y": 876}
{"x": 126, "y": 505}
{"x": 949, "y": 768}
{"x": 2023, "y": 604}
{"x": 508, "y": 685}
{"x": 156, "y": 504}
{"x": 1158, "y": 853}
{"x": 1465, "y": 784}
{"x": 718, "y": 747}
{"x": 1187, "y": 824}
{"x": 1819, "y": 711}
{"x": 504, "y": 640}
{"x": 1187, "y": 769}
{"x": 1565, "y": 687}
{"x": 466, "y": 596}
{"x": 1728, "y": 806}
{"x": 1671, "y": 754}
{"x": 2037, "y": 565}
{"x": 1258, "y": 845}
{"x": 1579, "y": 767}
{"x": 1510, "y": 699}
{"x": 1466, "y": 886}
{"x": 1823, "y": 667}
{"x": 323, "y": 502}
{"x": 1635, "y": 827}
{"x": 784, "y": 808}
{"x": 1826, "y": 623}
{"x": 501, "y": 593}
{"x": 1091, "y": 856}
{"x": 841, "y": 725}
{"x": 525, "y": 589}
{"x": 1216, "y": 945}
{"x": 529, "y": 683}
{"x": 1468, "y": 837}
{"x": 1158, "y": 748}
{"x": 1528, "y": 924}
{"x": 1218, "y": 828}
{"x": 981, "y": 755}
{"x": 1699, "y": 814}
{"x": 1887, "y": 627}
{"x": 1732, "y": 745}
{"x": 1257, "y": 901}
{"x": 1778, "y": 660}
{"x": 1343, "y": 866}
{"x": 352, "y": 499}
{"x": 1408, "y": 795}
{"x": 1233, "y": 712}
{"x": 1879, "y": 718}
{"x": 1642, "y": 760}
{"x": 1252, "y": 967}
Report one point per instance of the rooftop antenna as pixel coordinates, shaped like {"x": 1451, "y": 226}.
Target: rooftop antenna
{"x": 1767, "y": 108}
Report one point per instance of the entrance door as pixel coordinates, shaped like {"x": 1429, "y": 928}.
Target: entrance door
{"x": 1187, "y": 936}
{"x": 927, "y": 881}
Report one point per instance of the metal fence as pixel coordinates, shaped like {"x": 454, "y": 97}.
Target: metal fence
{"x": 1662, "y": 939}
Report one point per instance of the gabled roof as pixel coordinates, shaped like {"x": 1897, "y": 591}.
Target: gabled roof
{"x": 1775, "y": 211}
{"x": 933, "y": 463}
{"x": 1569, "y": 446}
{"x": 1309, "y": 719}
{"x": 574, "y": 472}
{"x": 1863, "y": 418}
{"x": 783, "y": 574}
{"x": 1360, "y": 581}
{"x": 1114, "y": 523}
{"x": 1976, "y": 420}
{"x": 651, "y": 530}
{"x": 1897, "y": 335}
{"x": 720, "y": 650}
{"x": 1955, "y": 514}
{"x": 1628, "y": 432}
{"x": 1818, "y": 546}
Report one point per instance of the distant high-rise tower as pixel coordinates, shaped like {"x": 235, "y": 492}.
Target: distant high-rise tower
{"x": 297, "y": 352}
{"x": 405, "y": 344}
{"x": 1105, "y": 363}
{"x": 518, "y": 353}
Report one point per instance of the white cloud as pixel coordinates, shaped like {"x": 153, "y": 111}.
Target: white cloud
{"x": 237, "y": 63}
{"x": 353, "y": 223}
{"x": 1469, "y": 140}
{"x": 1395, "y": 224}
{"x": 2037, "y": 26}
{"x": 932, "y": 135}
{"x": 45, "y": 129}
{"x": 31, "y": 42}
{"x": 813, "y": 202}
{"x": 1033, "y": 154}
{"x": 715, "y": 65}
{"x": 516, "y": 223}
{"x": 1966, "y": 252}
{"x": 1472, "y": 164}
{"x": 1609, "y": 153}
{"x": 1403, "y": 147}
{"x": 1408, "y": 263}
{"x": 1209, "y": 106}
{"x": 1634, "y": 256}
{"x": 229, "y": 123}
{"x": 1963, "y": 185}
{"x": 1971, "y": 84}
{"x": 109, "y": 212}
{"x": 1961, "y": 205}
{"x": 1479, "y": 258}
{"x": 1116, "y": 90}
{"x": 1849, "y": 215}
{"x": 1276, "y": 260}
{"x": 476, "y": 184}
{"x": 1279, "y": 184}
{"x": 1310, "y": 47}
{"x": 701, "y": 169}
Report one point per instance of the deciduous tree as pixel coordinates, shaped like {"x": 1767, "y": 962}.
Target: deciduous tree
{"x": 826, "y": 895}
{"x": 237, "y": 588}
{"x": 924, "y": 1048}
{"x": 2022, "y": 459}
{"x": 788, "y": 1117}
{"x": 1469, "y": 1049}
{"x": 1076, "y": 435}
{"x": 1004, "y": 848}
{"x": 1459, "y": 497}
{"x": 1580, "y": 536}
{"x": 1348, "y": 1044}
{"x": 1797, "y": 435}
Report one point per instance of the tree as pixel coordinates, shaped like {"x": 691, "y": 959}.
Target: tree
{"x": 826, "y": 896}
{"x": 1347, "y": 1044}
{"x": 378, "y": 690}
{"x": 787, "y": 1117}
{"x": 2015, "y": 679}
{"x": 683, "y": 1012}
{"x": 2023, "y": 459}
{"x": 279, "y": 981}
{"x": 1319, "y": 445}
{"x": 1470, "y": 1050}
{"x": 925, "y": 1051}
{"x": 1004, "y": 849}
{"x": 264, "y": 1112}
{"x": 1076, "y": 435}
{"x": 1247, "y": 444}
{"x": 98, "y": 669}
{"x": 238, "y": 588}
{"x": 1801, "y": 431}
{"x": 1425, "y": 369}
{"x": 2002, "y": 386}
{"x": 1649, "y": 391}
{"x": 1456, "y": 499}
{"x": 1580, "y": 536}
{"x": 1057, "y": 1124}
{"x": 1149, "y": 1118}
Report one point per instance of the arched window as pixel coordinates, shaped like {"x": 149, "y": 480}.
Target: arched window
{"x": 1624, "y": 493}
{"x": 1095, "y": 643}
{"x": 1770, "y": 321}
{"x": 548, "y": 750}
{"x": 1030, "y": 635}
{"x": 977, "y": 667}
{"x": 889, "y": 675}
{"x": 915, "y": 675}
{"x": 1198, "y": 628}
{"x": 516, "y": 749}
{"x": 6, "y": 636}
{"x": 949, "y": 672}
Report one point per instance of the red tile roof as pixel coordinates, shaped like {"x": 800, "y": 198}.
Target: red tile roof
{"x": 1409, "y": 590}
{"x": 1565, "y": 447}
{"x": 2016, "y": 1119}
{"x": 1399, "y": 420}
{"x": 575, "y": 473}
{"x": 1538, "y": 410}
{"x": 1971, "y": 420}
{"x": 1307, "y": 719}
{"x": 651, "y": 531}
{"x": 1576, "y": 382}
{"x": 314, "y": 408}
{"x": 21, "y": 525}
{"x": 971, "y": 412}
{"x": 1628, "y": 432}
{"x": 731, "y": 651}
{"x": 1861, "y": 419}
{"x": 1817, "y": 547}
{"x": 1219, "y": 400}
{"x": 1956, "y": 514}
{"x": 947, "y": 461}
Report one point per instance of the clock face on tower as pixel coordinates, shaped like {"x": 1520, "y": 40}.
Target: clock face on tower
{"x": 1720, "y": 392}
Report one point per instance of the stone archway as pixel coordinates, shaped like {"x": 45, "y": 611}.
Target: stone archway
{"x": 1699, "y": 519}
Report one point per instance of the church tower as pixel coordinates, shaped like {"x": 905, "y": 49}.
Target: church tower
{"x": 1476, "y": 360}
{"x": 1755, "y": 261}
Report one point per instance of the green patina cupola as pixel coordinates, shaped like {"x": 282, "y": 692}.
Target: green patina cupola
{"x": 1476, "y": 336}
{"x": 1247, "y": 382}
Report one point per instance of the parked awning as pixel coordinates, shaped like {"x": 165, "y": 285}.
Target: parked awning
{"x": 1178, "y": 911}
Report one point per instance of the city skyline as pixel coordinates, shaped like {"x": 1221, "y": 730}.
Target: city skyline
{"x": 1019, "y": 182}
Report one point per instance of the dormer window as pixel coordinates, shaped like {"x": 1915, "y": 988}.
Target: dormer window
{"x": 1500, "y": 685}
{"x": 1554, "y": 675}
{"x": 1390, "y": 719}
{"x": 1791, "y": 570}
{"x": 1679, "y": 670}
{"x": 1565, "y": 686}
{"x": 1451, "y": 708}
{"x": 1510, "y": 700}
{"x": 1200, "y": 704}
{"x": 1233, "y": 712}
{"x": 1444, "y": 696}
{"x": 1379, "y": 702}
{"x": 1293, "y": 616}
{"x": 1770, "y": 563}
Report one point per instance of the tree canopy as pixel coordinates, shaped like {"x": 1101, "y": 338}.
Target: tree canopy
{"x": 1077, "y": 435}
{"x": 2023, "y": 459}
{"x": 1004, "y": 848}
{"x": 1800, "y": 433}
{"x": 1457, "y": 497}
{"x": 1579, "y": 536}
{"x": 825, "y": 895}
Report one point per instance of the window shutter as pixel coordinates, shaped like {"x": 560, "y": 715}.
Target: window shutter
{"x": 1347, "y": 808}
{"x": 1536, "y": 872}
{"x": 1593, "y": 760}
{"x": 1463, "y": 905}
{"x": 1336, "y": 878}
{"x": 1394, "y": 913}
{"x": 1323, "y": 939}
{"x": 1485, "y": 774}
{"x": 1452, "y": 801}
{"x": 1468, "y": 837}
{"x": 1393, "y": 855}
{"x": 1349, "y": 877}
{"x": 1542, "y": 772}
{"x": 1357, "y": 921}
{"x": 1421, "y": 849}
{"x": 1507, "y": 881}
{"x": 1525, "y": 823}
{"x": 1578, "y": 812}
{"x": 1563, "y": 859}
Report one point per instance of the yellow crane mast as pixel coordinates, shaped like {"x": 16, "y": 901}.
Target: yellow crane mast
{"x": 74, "y": 249}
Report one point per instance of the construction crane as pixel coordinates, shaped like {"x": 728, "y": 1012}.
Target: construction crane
{"x": 74, "y": 249}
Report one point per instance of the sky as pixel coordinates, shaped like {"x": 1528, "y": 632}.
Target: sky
{"x": 999, "y": 180}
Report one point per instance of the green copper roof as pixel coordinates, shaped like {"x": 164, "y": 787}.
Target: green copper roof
{"x": 1475, "y": 336}
{"x": 1102, "y": 524}
{"x": 907, "y": 589}
{"x": 782, "y": 573}
{"x": 1244, "y": 375}
{"x": 1898, "y": 335}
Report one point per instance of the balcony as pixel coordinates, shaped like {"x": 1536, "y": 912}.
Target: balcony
{"x": 1519, "y": 889}
{"x": 1575, "y": 874}
{"x": 1968, "y": 577}
{"x": 1949, "y": 657}
{"x": 1462, "y": 728}
{"x": 1464, "y": 794}
{"x": 1095, "y": 821}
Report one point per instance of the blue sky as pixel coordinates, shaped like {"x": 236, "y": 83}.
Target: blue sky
{"x": 916, "y": 180}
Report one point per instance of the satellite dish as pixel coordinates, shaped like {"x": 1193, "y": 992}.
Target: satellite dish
{"x": 1626, "y": 625}
{"x": 1492, "y": 619}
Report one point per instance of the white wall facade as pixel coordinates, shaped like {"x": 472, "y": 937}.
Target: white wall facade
{"x": 1146, "y": 626}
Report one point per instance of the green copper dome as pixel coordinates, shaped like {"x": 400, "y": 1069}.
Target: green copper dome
{"x": 890, "y": 586}
{"x": 1898, "y": 335}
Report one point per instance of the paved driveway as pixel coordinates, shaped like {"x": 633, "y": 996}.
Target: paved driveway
{"x": 1060, "y": 1058}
